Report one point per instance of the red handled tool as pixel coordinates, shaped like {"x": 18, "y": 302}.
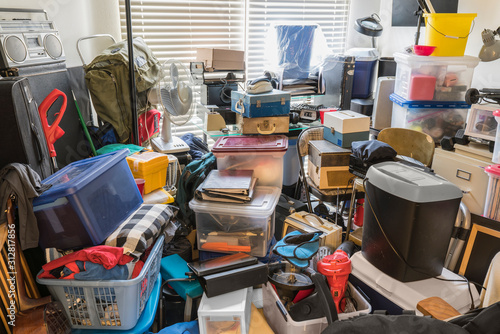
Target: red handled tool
{"x": 337, "y": 267}
{"x": 52, "y": 132}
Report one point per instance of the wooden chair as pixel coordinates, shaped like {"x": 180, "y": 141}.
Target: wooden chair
{"x": 409, "y": 143}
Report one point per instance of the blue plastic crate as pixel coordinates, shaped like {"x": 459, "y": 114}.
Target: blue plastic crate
{"x": 111, "y": 304}
{"x": 88, "y": 200}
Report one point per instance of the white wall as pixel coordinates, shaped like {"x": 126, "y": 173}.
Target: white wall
{"x": 75, "y": 19}
{"x": 396, "y": 38}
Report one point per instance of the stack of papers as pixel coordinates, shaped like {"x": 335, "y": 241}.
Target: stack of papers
{"x": 234, "y": 186}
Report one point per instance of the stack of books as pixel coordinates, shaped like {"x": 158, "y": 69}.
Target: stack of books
{"x": 233, "y": 186}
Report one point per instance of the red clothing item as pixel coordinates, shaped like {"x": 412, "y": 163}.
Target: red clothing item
{"x": 108, "y": 256}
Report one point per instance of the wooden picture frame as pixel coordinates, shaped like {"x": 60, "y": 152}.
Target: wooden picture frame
{"x": 482, "y": 246}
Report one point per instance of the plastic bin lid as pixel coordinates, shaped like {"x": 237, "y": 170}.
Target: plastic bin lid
{"x": 70, "y": 179}
{"x": 363, "y": 54}
{"x": 411, "y": 183}
{"x": 407, "y": 58}
{"x": 251, "y": 143}
{"x": 493, "y": 169}
{"x": 431, "y": 104}
{"x": 262, "y": 204}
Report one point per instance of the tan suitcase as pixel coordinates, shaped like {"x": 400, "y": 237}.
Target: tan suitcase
{"x": 263, "y": 125}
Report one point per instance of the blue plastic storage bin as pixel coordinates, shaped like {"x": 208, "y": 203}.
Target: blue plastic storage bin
{"x": 88, "y": 200}
{"x": 108, "y": 304}
{"x": 364, "y": 71}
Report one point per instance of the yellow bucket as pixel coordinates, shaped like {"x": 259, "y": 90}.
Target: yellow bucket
{"x": 448, "y": 33}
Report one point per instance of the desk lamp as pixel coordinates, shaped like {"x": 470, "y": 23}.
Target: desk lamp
{"x": 369, "y": 26}
{"x": 491, "y": 49}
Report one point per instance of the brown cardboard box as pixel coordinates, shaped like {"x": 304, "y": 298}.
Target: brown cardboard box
{"x": 221, "y": 59}
{"x": 329, "y": 177}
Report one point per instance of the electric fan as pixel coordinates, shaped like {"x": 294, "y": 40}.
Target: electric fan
{"x": 172, "y": 94}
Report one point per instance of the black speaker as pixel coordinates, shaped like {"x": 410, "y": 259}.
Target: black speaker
{"x": 217, "y": 94}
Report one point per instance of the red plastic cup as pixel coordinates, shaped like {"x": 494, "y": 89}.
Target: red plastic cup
{"x": 322, "y": 113}
{"x": 140, "y": 185}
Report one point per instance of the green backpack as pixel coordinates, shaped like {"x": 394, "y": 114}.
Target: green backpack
{"x": 107, "y": 78}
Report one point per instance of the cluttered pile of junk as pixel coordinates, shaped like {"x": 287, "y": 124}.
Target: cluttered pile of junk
{"x": 172, "y": 236}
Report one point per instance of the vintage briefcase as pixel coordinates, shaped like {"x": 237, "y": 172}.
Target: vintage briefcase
{"x": 21, "y": 133}
{"x": 274, "y": 103}
{"x": 263, "y": 125}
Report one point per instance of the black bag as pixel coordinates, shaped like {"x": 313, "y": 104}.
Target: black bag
{"x": 21, "y": 134}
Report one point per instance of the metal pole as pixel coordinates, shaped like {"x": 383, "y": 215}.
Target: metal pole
{"x": 133, "y": 96}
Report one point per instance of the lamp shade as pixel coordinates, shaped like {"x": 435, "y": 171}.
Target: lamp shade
{"x": 491, "y": 49}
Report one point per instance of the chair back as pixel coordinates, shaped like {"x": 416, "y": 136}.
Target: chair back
{"x": 411, "y": 143}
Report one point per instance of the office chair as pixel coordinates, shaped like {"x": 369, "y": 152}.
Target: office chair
{"x": 409, "y": 143}
{"x": 328, "y": 195}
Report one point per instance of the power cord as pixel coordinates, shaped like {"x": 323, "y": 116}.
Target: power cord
{"x": 464, "y": 280}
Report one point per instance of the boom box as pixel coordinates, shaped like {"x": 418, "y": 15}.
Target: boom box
{"x": 28, "y": 38}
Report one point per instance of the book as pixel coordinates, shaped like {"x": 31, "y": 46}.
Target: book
{"x": 224, "y": 197}
{"x": 221, "y": 182}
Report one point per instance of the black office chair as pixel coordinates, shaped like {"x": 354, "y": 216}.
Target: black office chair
{"x": 310, "y": 188}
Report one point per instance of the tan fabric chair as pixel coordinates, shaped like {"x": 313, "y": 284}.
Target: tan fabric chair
{"x": 409, "y": 143}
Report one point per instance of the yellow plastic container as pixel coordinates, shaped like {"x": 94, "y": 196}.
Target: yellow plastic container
{"x": 150, "y": 166}
{"x": 448, "y": 33}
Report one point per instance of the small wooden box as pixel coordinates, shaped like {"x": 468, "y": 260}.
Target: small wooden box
{"x": 322, "y": 153}
{"x": 329, "y": 177}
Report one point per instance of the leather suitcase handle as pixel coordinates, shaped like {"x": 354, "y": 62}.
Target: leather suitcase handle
{"x": 265, "y": 126}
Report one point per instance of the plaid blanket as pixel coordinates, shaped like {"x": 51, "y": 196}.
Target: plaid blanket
{"x": 140, "y": 230}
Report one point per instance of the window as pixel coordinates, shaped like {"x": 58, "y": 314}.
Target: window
{"x": 331, "y": 15}
{"x": 174, "y": 29}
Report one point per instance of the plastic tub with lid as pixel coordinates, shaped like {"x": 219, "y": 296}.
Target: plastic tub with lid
{"x": 445, "y": 78}
{"x": 262, "y": 154}
{"x": 232, "y": 227}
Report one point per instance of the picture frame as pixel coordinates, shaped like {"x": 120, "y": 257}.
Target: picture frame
{"x": 483, "y": 244}
{"x": 481, "y": 123}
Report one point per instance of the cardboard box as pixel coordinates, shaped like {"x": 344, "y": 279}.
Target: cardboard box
{"x": 221, "y": 59}
{"x": 330, "y": 177}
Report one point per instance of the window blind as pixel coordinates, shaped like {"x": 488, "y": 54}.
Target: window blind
{"x": 330, "y": 15}
{"x": 174, "y": 29}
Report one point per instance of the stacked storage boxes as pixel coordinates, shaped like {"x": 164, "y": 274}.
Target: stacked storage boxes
{"x": 328, "y": 165}
{"x": 345, "y": 126}
{"x": 429, "y": 93}
{"x": 266, "y": 113}
{"x": 249, "y": 227}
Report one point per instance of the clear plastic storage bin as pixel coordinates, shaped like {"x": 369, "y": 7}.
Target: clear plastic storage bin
{"x": 263, "y": 154}
{"x": 88, "y": 200}
{"x": 227, "y": 313}
{"x": 282, "y": 323}
{"x": 112, "y": 304}
{"x": 231, "y": 227}
{"x": 450, "y": 76}
{"x": 437, "y": 120}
